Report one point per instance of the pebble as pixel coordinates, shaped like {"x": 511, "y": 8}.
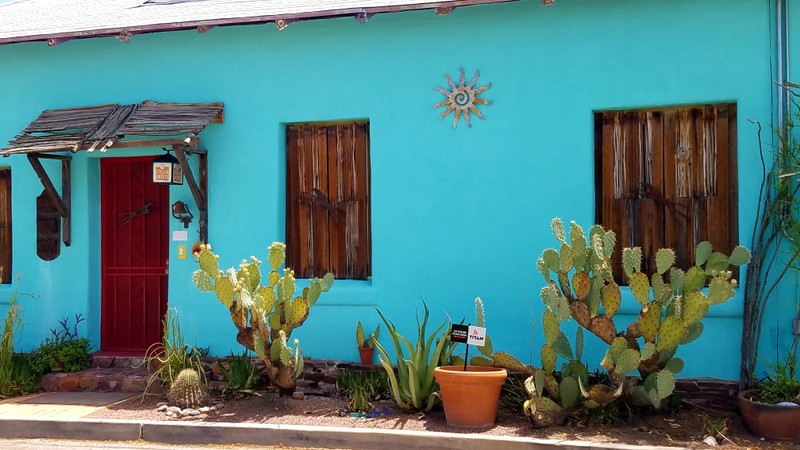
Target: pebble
{"x": 170, "y": 414}
{"x": 174, "y": 409}
{"x": 161, "y": 407}
{"x": 298, "y": 395}
{"x": 160, "y": 404}
{"x": 709, "y": 440}
{"x": 205, "y": 408}
{"x": 217, "y": 406}
{"x": 190, "y": 412}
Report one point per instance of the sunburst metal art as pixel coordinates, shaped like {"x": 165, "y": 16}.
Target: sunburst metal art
{"x": 462, "y": 98}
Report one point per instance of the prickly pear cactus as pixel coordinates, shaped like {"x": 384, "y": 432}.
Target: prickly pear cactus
{"x": 673, "y": 302}
{"x": 264, "y": 310}
{"x": 187, "y": 391}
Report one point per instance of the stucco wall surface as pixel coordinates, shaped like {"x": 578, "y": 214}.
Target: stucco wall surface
{"x": 456, "y": 213}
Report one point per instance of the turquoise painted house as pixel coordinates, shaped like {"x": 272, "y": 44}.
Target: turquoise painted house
{"x": 418, "y": 149}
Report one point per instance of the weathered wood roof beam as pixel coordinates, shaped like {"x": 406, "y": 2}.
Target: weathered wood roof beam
{"x": 63, "y": 202}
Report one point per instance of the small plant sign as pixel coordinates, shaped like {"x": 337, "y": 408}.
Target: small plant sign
{"x": 467, "y": 334}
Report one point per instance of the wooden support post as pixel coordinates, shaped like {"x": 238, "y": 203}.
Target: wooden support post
{"x": 63, "y": 202}
{"x": 199, "y": 191}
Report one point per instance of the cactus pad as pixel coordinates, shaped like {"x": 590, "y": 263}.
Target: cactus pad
{"x": 268, "y": 295}
{"x": 566, "y": 258}
{"x": 717, "y": 262}
{"x": 562, "y": 346}
{"x": 550, "y": 296}
{"x": 627, "y": 362}
{"x": 633, "y": 331}
{"x": 208, "y": 263}
{"x": 273, "y": 278}
{"x": 675, "y": 365}
{"x": 640, "y": 287}
{"x": 277, "y": 253}
{"x": 542, "y": 266}
{"x": 694, "y": 308}
{"x": 702, "y": 252}
{"x": 548, "y": 355}
{"x": 609, "y": 242}
{"x": 552, "y": 259}
{"x": 550, "y": 326}
{"x": 631, "y": 260}
{"x": 296, "y": 311}
{"x": 739, "y": 256}
{"x": 618, "y": 346}
{"x": 603, "y": 327}
{"x": 224, "y": 290}
{"x": 580, "y": 312}
{"x": 670, "y": 334}
{"x": 508, "y": 361}
{"x": 649, "y": 320}
{"x": 581, "y": 284}
{"x": 695, "y": 279}
{"x": 593, "y": 300}
{"x": 570, "y": 392}
{"x": 719, "y": 291}
{"x": 665, "y": 258}
{"x": 665, "y": 384}
{"x": 202, "y": 281}
{"x": 558, "y": 230}
{"x": 579, "y": 343}
{"x": 693, "y": 332}
{"x": 612, "y": 298}
{"x": 676, "y": 279}
{"x": 481, "y": 361}
{"x": 648, "y": 351}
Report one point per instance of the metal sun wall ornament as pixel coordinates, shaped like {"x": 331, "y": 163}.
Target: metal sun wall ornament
{"x": 462, "y": 98}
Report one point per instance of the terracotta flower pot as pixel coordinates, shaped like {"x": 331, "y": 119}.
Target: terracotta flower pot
{"x": 769, "y": 421}
{"x": 366, "y": 354}
{"x": 470, "y": 398}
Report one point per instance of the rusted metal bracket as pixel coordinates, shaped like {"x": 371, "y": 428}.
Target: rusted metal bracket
{"x": 199, "y": 185}
{"x": 62, "y": 202}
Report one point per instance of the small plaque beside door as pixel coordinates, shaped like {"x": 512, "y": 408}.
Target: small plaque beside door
{"x": 48, "y": 228}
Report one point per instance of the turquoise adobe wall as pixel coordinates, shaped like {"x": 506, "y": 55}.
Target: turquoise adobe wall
{"x": 457, "y": 213}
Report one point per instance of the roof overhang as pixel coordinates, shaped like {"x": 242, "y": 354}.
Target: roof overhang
{"x": 148, "y": 124}
{"x": 62, "y": 20}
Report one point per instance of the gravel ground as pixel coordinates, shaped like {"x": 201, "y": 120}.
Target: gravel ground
{"x": 684, "y": 429}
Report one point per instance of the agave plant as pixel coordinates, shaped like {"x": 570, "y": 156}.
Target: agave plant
{"x": 413, "y": 387}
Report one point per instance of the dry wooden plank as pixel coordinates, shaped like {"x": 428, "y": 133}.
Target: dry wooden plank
{"x": 362, "y": 193}
{"x": 306, "y": 226}
{"x": 292, "y": 198}
{"x": 337, "y": 248}
{"x": 320, "y": 201}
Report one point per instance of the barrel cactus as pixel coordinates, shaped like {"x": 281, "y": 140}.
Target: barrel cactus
{"x": 187, "y": 391}
{"x": 264, "y": 311}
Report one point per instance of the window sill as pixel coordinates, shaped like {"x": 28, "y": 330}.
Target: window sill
{"x": 349, "y": 293}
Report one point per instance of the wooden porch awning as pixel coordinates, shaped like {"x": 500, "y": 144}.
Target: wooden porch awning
{"x": 101, "y": 127}
{"x": 149, "y": 124}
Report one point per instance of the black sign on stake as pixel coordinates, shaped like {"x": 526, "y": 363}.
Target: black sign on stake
{"x": 459, "y": 333}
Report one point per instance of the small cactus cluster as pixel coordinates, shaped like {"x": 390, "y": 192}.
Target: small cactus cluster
{"x": 187, "y": 391}
{"x": 264, "y": 311}
{"x": 580, "y": 286}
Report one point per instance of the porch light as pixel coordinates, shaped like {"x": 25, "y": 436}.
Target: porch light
{"x": 167, "y": 170}
{"x": 181, "y": 212}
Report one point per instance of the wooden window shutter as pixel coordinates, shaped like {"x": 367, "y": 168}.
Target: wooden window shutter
{"x": 667, "y": 178}
{"x": 5, "y": 224}
{"x": 328, "y": 200}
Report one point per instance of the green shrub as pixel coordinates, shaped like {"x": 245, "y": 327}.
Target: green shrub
{"x": 63, "y": 350}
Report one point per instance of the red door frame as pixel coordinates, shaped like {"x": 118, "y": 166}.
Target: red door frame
{"x": 135, "y": 256}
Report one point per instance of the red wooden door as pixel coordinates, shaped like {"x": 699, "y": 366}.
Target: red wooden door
{"x": 135, "y": 254}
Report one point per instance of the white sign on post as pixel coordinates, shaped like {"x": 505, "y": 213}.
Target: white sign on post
{"x": 476, "y": 336}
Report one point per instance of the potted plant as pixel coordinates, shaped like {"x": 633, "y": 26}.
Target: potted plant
{"x": 366, "y": 344}
{"x": 772, "y": 410}
{"x": 470, "y": 393}
{"x": 776, "y": 252}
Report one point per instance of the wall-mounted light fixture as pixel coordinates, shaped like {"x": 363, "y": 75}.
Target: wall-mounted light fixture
{"x": 167, "y": 169}
{"x": 181, "y": 212}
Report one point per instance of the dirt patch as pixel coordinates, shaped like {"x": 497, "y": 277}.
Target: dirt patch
{"x": 682, "y": 429}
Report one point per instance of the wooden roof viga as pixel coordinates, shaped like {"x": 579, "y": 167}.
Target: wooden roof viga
{"x": 56, "y": 21}
{"x": 100, "y": 127}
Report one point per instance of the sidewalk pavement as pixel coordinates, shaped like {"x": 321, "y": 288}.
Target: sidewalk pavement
{"x": 62, "y": 416}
